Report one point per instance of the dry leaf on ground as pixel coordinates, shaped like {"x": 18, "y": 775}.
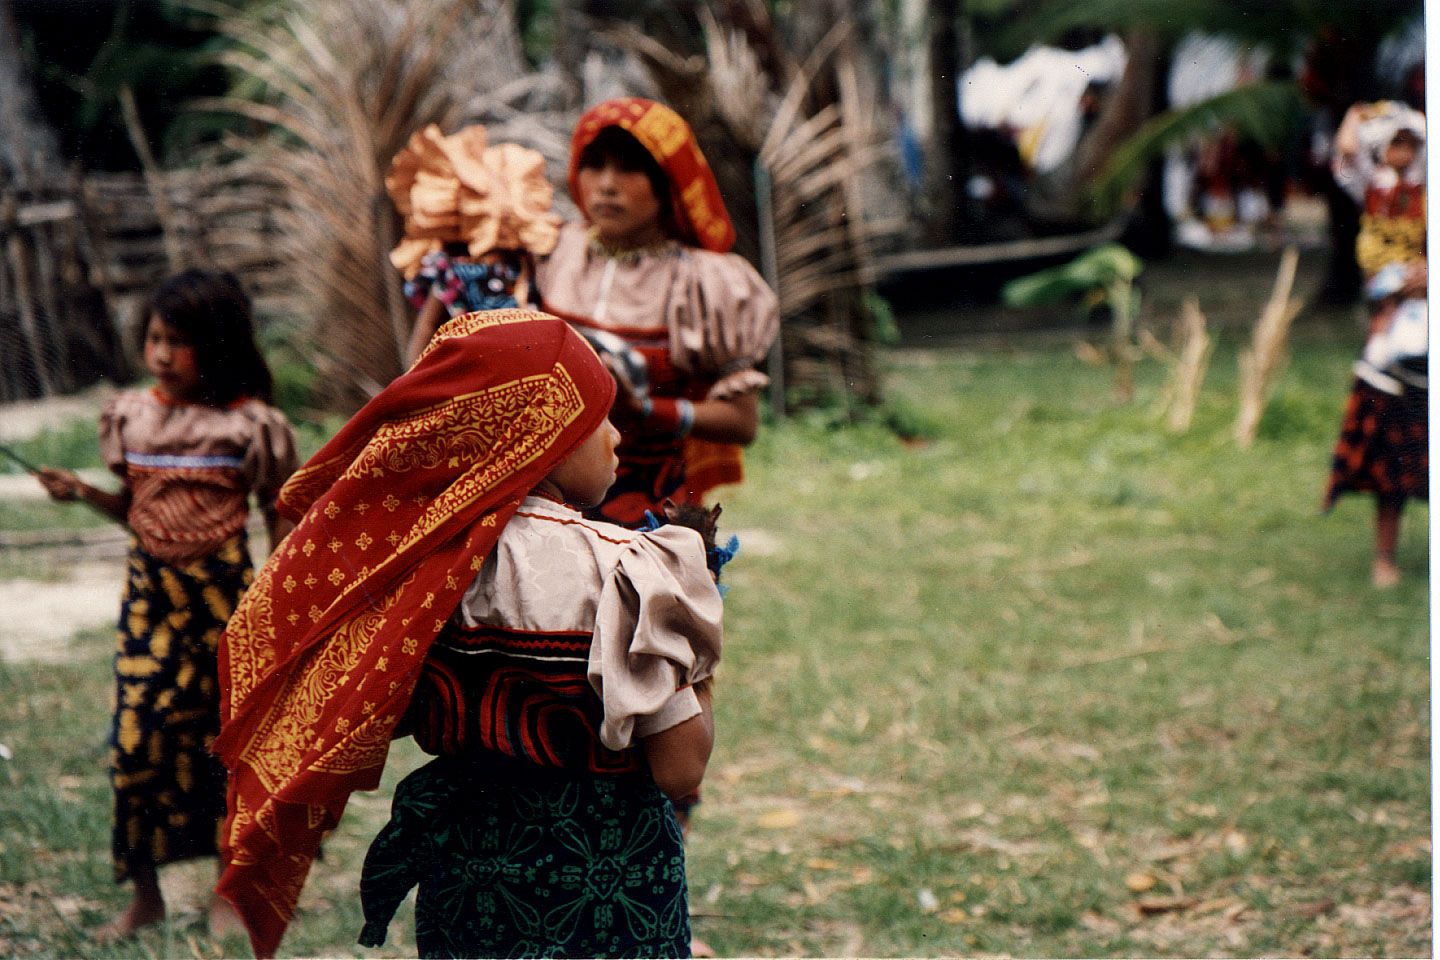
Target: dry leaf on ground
{"x": 1139, "y": 882}
{"x": 1151, "y": 905}
{"x": 785, "y": 818}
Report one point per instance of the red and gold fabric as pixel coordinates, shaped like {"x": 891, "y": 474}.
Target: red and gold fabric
{"x": 394, "y": 517}
{"x": 699, "y": 211}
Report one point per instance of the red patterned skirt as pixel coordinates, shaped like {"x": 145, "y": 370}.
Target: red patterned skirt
{"x": 1383, "y": 446}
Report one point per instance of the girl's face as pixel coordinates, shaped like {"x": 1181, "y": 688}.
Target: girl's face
{"x": 586, "y": 475}
{"x": 621, "y": 203}
{"x": 1400, "y": 153}
{"x": 170, "y": 358}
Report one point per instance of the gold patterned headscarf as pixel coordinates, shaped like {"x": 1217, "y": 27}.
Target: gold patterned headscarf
{"x": 694, "y": 193}
{"x": 456, "y": 189}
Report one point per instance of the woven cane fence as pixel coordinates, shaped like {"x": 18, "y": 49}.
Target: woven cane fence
{"x": 79, "y": 254}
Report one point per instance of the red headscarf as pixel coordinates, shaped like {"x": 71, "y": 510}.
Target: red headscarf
{"x": 694, "y": 194}
{"x": 395, "y": 515}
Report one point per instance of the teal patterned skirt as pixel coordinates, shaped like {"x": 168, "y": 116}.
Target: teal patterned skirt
{"x": 512, "y": 861}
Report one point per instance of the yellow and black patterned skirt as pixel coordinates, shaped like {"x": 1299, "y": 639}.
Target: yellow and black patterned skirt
{"x": 169, "y": 789}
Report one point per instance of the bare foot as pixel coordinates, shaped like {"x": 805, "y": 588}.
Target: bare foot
{"x": 142, "y": 912}
{"x": 224, "y": 920}
{"x": 699, "y": 948}
{"x": 1385, "y": 574}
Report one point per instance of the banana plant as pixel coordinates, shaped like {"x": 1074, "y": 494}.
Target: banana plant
{"x": 1107, "y": 274}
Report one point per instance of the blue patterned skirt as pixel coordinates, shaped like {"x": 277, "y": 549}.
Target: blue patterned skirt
{"x": 513, "y": 861}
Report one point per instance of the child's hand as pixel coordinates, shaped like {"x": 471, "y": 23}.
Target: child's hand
{"x": 62, "y": 485}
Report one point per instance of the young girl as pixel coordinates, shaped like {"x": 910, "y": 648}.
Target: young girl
{"x": 1383, "y": 445}
{"x": 476, "y": 217}
{"x": 652, "y": 271}
{"x": 442, "y": 573}
{"x": 189, "y": 452}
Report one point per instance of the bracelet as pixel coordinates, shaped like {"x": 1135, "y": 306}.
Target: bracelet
{"x": 666, "y": 415}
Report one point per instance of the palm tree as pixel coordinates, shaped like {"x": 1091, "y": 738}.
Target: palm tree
{"x": 339, "y": 87}
{"x": 1134, "y": 129}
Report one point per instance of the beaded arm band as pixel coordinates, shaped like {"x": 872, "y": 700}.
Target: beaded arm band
{"x": 668, "y": 415}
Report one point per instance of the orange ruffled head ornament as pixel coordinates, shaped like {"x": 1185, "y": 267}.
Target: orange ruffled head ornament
{"x": 456, "y": 189}
{"x": 695, "y": 196}
{"x": 394, "y": 517}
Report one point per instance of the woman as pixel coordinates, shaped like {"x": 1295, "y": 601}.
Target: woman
{"x": 416, "y": 510}
{"x": 650, "y": 277}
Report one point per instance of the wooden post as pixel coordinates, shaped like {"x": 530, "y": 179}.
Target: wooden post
{"x": 1260, "y": 363}
{"x": 775, "y": 362}
{"x": 155, "y": 181}
{"x": 18, "y": 254}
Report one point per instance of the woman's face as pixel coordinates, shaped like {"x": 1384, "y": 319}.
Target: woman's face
{"x": 621, "y": 204}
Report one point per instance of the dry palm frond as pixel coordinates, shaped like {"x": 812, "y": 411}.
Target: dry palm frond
{"x": 810, "y": 161}
{"x": 1188, "y": 359}
{"x": 1266, "y": 355}
{"x": 345, "y": 84}
{"x": 822, "y": 240}
{"x": 738, "y": 82}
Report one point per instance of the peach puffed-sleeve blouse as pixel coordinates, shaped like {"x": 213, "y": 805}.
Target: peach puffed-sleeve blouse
{"x": 190, "y": 468}
{"x": 715, "y": 310}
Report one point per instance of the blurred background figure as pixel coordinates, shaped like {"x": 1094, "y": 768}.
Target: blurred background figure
{"x": 1383, "y": 446}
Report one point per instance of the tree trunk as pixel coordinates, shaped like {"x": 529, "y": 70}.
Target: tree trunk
{"x": 1058, "y": 198}
{"x": 1129, "y": 106}
{"x": 569, "y": 43}
{"x": 946, "y": 151}
{"x": 28, "y": 148}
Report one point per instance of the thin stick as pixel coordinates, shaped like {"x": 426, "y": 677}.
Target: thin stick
{"x": 34, "y": 471}
{"x": 29, "y": 467}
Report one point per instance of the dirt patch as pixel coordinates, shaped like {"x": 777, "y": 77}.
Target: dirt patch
{"x": 42, "y": 616}
{"x": 60, "y": 592}
{"x": 25, "y": 419}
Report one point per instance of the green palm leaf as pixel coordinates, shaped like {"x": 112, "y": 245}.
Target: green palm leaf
{"x": 1264, "y": 112}
{"x": 1097, "y": 268}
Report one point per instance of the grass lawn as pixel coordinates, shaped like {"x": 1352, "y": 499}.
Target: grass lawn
{"x": 1050, "y": 683}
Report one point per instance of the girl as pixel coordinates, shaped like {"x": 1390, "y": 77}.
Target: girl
{"x": 475, "y": 218}
{"x": 651, "y": 273}
{"x": 441, "y": 573}
{"x": 189, "y": 452}
{"x": 1383, "y": 445}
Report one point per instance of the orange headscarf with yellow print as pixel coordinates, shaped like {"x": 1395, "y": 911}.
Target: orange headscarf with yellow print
{"x": 394, "y": 517}
{"x": 695, "y": 196}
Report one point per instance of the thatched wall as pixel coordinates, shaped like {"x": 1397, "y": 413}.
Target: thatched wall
{"x": 78, "y": 255}
{"x": 56, "y": 333}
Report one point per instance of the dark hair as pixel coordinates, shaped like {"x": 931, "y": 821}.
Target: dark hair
{"x": 630, "y": 155}
{"x": 1409, "y": 136}
{"x": 211, "y": 309}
